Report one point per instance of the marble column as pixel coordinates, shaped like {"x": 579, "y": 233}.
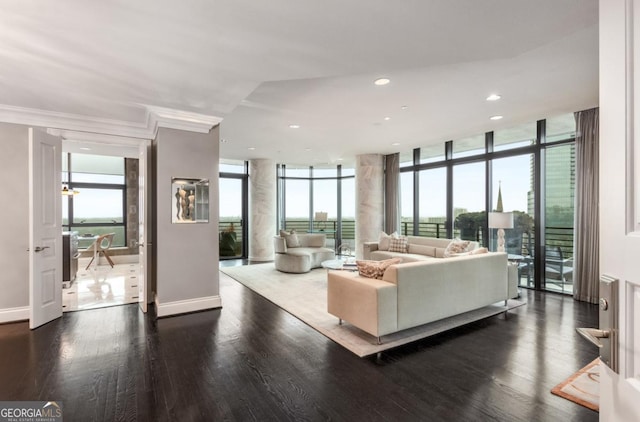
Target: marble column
{"x": 369, "y": 199}
{"x": 262, "y": 209}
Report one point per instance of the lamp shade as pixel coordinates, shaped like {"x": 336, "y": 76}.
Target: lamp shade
{"x": 320, "y": 216}
{"x": 501, "y": 220}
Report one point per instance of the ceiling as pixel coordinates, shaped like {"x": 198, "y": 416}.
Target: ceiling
{"x": 262, "y": 66}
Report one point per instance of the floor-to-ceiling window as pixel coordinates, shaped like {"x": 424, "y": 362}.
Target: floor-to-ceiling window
{"x": 469, "y": 201}
{"x": 232, "y": 224}
{"x": 318, "y": 199}
{"x": 532, "y": 168}
{"x": 432, "y": 202}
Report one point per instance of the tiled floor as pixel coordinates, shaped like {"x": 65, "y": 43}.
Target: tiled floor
{"x": 102, "y": 286}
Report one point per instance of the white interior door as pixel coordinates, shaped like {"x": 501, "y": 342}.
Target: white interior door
{"x": 45, "y": 228}
{"x": 620, "y": 197}
{"x": 144, "y": 242}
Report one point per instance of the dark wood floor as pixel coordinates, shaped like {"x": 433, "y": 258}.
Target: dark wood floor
{"x": 253, "y": 361}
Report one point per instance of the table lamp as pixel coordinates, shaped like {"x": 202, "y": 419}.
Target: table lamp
{"x": 501, "y": 221}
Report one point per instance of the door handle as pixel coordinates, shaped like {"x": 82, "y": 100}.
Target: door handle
{"x": 593, "y": 335}
{"x": 40, "y": 248}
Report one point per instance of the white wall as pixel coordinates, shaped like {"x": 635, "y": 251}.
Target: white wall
{"x": 186, "y": 255}
{"x": 14, "y": 222}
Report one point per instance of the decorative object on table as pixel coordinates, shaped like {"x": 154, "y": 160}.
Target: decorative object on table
{"x": 344, "y": 250}
{"x": 500, "y": 220}
{"x": 191, "y": 200}
{"x": 322, "y": 218}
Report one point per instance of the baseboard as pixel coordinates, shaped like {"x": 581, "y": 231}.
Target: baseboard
{"x": 14, "y": 314}
{"x": 188, "y": 305}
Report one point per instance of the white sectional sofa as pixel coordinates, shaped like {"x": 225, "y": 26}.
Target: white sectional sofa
{"x": 415, "y": 293}
{"x": 300, "y": 252}
{"x": 419, "y": 249}
{"x": 437, "y": 278}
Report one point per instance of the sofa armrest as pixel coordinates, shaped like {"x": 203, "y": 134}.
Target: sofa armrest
{"x": 366, "y": 303}
{"x": 367, "y": 248}
{"x": 279, "y": 244}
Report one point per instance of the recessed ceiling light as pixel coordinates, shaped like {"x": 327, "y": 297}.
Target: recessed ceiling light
{"x": 85, "y": 148}
{"x": 493, "y": 97}
{"x": 340, "y": 159}
{"x": 404, "y": 107}
{"x": 395, "y": 144}
{"x": 382, "y": 81}
{"x": 251, "y": 148}
{"x": 294, "y": 126}
{"x": 307, "y": 149}
{"x": 387, "y": 118}
{"x": 495, "y": 117}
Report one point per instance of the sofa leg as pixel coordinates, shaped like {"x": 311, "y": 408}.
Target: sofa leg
{"x": 339, "y": 321}
{"x": 505, "y": 302}
{"x": 379, "y": 342}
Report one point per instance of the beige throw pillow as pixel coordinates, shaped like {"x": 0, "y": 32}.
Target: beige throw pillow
{"x": 375, "y": 269}
{"x": 398, "y": 244}
{"x": 456, "y": 246}
{"x": 479, "y": 251}
{"x": 290, "y": 238}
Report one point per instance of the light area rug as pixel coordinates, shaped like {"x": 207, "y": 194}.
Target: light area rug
{"x": 583, "y": 387}
{"x": 305, "y": 297}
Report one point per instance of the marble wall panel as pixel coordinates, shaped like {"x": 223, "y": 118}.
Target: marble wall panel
{"x": 369, "y": 199}
{"x": 262, "y": 209}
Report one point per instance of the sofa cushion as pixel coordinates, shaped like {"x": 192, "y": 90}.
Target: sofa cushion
{"x": 456, "y": 246}
{"x": 398, "y": 244}
{"x": 440, "y": 252}
{"x": 405, "y": 257}
{"x": 312, "y": 240}
{"x": 375, "y": 269}
{"x": 422, "y": 250}
{"x": 383, "y": 240}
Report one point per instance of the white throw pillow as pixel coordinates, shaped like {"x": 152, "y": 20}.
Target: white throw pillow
{"x": 383, "y": 240}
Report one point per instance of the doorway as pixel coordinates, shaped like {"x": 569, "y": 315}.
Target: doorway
{"x": 232, "y": 226}
{"x": 46, "y": 152}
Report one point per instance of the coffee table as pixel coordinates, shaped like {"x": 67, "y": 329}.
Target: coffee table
{"x": 339, "y": 264}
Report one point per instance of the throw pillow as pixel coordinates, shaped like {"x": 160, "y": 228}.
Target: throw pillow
{"x": 479, "y": 251}
{"x": 383, "y": 240}
{"x": 291, "y": 238}
{"x": 456, "y": 246}
{"x": 375, "y": 269}
{"x": 398, "y": 244}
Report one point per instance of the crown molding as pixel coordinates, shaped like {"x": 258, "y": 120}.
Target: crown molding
{"x": 155, "y": 117}
{"x": 183, "y": 120}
